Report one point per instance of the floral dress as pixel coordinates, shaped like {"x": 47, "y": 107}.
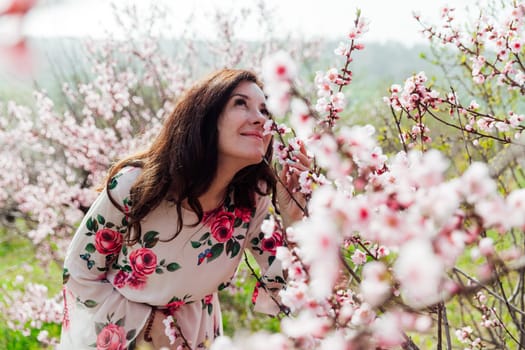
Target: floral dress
{"x": 110, "y": 288}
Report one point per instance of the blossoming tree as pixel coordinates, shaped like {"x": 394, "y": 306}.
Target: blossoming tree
{"x": 393, "y": 244}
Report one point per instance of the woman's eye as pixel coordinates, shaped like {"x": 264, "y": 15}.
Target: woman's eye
{"x": 239, "y": 102}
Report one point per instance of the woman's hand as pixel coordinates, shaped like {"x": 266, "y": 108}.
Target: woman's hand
{"x": 291, "y": 202}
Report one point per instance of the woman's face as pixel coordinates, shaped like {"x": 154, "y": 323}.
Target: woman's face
{"x": 240, "y": 127}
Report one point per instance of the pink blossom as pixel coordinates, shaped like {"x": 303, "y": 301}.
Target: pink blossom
{"x": 268, "y": 226}
{"x": 305, "y": 324}
{"x": 342, "y": 49}
{"x": 515, "y": 213}
{"x": 278, "y": 100}
{"x": 477, "y": 64}
{"x": 395, "y": 88}
{"x": 515, "y": 119}
{"x": 169, "y": 328}
{"x": 278, "y": 67}
{"x": 324, "y": 149}
{"x": 420, "y": 273}
{"x": 463, "y": 334}
{"x": 43, "y": 337}
{"x": 476, "y": 184}
{"x": 387, "y": 331}
{"x": 382, "y": 251}
{"x": 319, "y": 241}
{"x": 473, "y": 105}
{"x": 479, "y": 79}
{"x": 363, "y": 315}
{"x": 322, "y": 105}
{"x": 301, "y": 120}
{"x": 359, "y": 257}
{"x": 295, "y": 296}
{"x": 338, "y": 101}
{"x": 269, "y": 127}
{"x": 284, "y": 255}
{"x": 223, "y": 343}
{"x": 256, "y": 341}
{"x": 375, "y": 286}
{"x": 486, "y": 246}
{"x": 502, "y": 126}
{"x": 516, "y": 45}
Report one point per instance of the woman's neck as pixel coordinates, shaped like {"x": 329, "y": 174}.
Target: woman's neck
{"x": 218, "y": 190}
{"x": 216, "y": 193}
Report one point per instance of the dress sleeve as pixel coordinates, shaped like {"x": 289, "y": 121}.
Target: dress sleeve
{"x": 96, "y": 315}
{"x": 263, "y": 248}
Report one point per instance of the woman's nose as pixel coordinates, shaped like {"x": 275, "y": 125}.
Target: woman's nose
{"x": 260, "y": 118}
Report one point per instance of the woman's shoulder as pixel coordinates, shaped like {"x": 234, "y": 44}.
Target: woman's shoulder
{"x": 120, "y": 184}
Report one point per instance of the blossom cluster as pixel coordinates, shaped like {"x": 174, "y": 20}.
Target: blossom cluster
{"x": 492, "y": 54}
{"x": 503, "y": 34}
{"x": 417, "y": 100}
{"x": 25, "y": 314}
{"x": 384, "y": 232}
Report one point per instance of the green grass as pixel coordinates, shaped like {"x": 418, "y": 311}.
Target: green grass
{"x": 15, "y": 340}
{"x": 17, "y": 258}
{"x": 237, "y": 308}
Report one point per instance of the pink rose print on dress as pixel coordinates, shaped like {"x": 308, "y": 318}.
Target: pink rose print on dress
{"x": 111, "y": 337}
{"x": 221, "y": 237}
{"x": 222, "y": 226}
{"x": 208, "y": 299}
{"x": 120, "y": 279}
{"x": 108, "y": 241}
{"x": 207, "y": 303}
{"x": 244, "y": 214}
{"x": 271, "y": 244}
{"x": 267, "y": 246}
{"x": 176, "y": 303}
{"x": 143, "y": 261}
{"x": 136, "y": 281}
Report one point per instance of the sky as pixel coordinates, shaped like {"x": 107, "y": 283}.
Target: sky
{"x": 389, "y": 19}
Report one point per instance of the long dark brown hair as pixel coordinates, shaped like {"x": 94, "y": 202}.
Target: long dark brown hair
{"x": 181, "y": 162}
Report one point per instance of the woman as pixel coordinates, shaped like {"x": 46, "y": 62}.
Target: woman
{"x": 169, "y": 229}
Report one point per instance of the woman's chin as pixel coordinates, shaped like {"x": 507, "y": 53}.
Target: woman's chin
{"x": 254, "y": 160}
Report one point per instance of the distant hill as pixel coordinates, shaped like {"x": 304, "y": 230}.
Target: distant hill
{"x": 375, "y": 68}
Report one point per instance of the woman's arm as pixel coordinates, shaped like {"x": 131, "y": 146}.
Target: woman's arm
{"x": 263, "y": 248}
{"x": 292, "y": 204}
{"x": 95, "y": 312}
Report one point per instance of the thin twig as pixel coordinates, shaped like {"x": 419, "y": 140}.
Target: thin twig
{"x": 348, "y": 268}
{"x": 447, "y": 326}
{"x": 303, "y": 209}
{"x": 398, "y": 125}
{"x": 481, "y": 285}
{"x": 262, "y": 284}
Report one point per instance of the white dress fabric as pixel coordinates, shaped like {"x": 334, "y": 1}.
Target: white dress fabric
{"x": 110, "y": 288}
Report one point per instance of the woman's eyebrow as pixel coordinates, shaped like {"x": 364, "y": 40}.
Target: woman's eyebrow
{"x": 263, "y": 104}
{"x": 241, "y": 95}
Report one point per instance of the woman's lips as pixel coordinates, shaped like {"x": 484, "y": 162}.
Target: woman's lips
{"x": 255, "y": 134}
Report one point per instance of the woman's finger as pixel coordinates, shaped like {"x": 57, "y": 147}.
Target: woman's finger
{"x": 302, "y": 158}
{"x": 298, "y": 166}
